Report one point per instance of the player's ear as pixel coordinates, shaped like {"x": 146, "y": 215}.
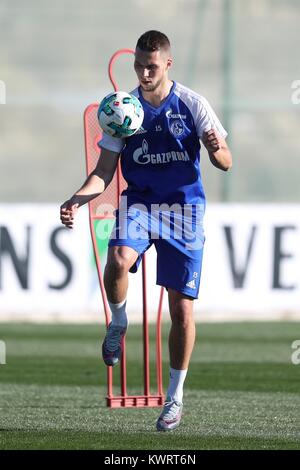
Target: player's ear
{"x": 169, "y": 62}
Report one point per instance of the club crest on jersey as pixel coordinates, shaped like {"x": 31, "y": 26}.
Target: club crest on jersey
{"x": 177, "y": 128}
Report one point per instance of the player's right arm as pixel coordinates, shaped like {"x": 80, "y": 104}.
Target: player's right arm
{"x": 94, "y": 185}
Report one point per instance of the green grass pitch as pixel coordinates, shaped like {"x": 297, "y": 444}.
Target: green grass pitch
{"x": 241, "y": 392}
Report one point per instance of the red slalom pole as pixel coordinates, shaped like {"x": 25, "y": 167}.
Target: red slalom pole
{"x": 92, "y": 136}
{"x": 145, "y": 333}
{"x": 158, "y": 345}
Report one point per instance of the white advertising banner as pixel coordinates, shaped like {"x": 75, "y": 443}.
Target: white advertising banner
{"x": 44, "y": 268}
{"x": 251, "y": 266}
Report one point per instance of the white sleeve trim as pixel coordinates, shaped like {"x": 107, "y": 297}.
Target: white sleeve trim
{"x": 111, "y": 143}
{"x": 207, "y": 119}
{"x": 204, "y": 116}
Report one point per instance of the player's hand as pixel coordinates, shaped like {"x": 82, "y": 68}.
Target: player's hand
{"x": 212, "y": 140}
{"x": 67, "y": 213}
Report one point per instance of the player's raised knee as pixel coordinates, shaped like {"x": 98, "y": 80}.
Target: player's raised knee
{"x": 120, "y": 262}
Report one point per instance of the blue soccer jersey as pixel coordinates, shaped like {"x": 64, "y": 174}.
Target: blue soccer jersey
{"x": 161, "y": 162}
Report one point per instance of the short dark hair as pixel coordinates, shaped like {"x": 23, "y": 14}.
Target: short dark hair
{"x": 153, "y": 41}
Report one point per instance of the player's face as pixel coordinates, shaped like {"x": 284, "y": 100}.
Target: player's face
{"x": 151, "y": 68}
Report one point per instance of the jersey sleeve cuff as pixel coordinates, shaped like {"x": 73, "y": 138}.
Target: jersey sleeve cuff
{"x": 111, "y": 143}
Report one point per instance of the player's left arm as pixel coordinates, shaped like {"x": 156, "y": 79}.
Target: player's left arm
{"x": 218, "y": 150}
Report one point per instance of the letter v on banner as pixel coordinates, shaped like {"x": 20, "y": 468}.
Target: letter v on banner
{"x": 238, "y": 274}
{"x": 101, "y": 217}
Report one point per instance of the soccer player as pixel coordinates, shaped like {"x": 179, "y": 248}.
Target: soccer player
{"x": 161, "y": 164}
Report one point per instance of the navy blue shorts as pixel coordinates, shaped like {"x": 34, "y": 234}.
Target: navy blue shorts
{"x": 178, "y": 239}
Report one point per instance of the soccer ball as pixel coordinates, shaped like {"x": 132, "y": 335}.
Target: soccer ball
{"x": 120, "y": 114}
